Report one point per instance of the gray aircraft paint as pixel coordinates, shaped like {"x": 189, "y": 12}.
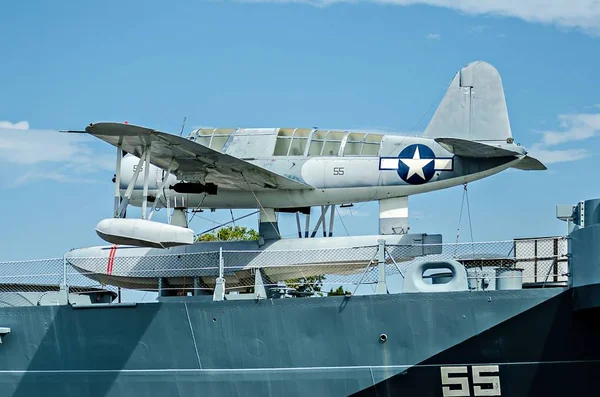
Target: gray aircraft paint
{"x": 301, "y": 198}
{"x": 473, "y": 109}
{"x": 139, "y": 267}
{"x": 319, "y": 346}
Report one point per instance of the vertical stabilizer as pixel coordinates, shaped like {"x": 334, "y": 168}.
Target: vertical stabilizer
{"x": 473, "y": 108}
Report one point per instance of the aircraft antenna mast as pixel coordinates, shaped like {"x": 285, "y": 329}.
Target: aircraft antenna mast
{"x": 182, "y": 126}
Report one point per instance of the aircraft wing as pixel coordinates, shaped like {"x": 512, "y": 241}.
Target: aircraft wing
{"x": 191, "y": 161}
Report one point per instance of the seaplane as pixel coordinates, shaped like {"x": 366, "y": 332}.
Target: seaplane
{"x": 274, "y": 170}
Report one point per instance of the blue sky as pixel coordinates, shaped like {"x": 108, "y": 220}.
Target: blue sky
{"x": 350, "y": 65}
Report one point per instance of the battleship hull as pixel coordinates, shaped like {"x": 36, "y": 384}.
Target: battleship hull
{"x": 538, "y": 341}
{"x": 511, "y": 343}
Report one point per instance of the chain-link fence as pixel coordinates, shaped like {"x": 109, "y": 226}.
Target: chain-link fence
{"x": 38, "y": 282}
{"x": 535, "y": 262}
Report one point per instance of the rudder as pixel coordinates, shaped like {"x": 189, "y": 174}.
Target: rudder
{"x": 473, "y": 107}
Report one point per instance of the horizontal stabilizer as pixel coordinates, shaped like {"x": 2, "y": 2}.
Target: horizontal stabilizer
{"x": 467, "y": 148}
{"x": 143, "y": 233}
{"x": 530, "y": 164}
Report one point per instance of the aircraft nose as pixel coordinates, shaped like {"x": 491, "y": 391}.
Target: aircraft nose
{"x": 129, "y": 165}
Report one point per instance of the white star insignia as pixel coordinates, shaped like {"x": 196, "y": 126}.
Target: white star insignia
{"x": 416, "y": 165}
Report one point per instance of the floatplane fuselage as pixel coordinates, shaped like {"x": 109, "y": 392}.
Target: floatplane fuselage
{"x": 403, "y": 166}
{"x": 292, "y": 169}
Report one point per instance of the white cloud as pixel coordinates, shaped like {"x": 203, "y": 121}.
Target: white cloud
{"x": 573, "y": 127}
{"x": 30, "y": 176}
{"x": 433, "y": 36}
{"x": 581, "y": 14}
{"x": 21, "y": 125}
{"x": 558, "y": 156}
{"x": 48, "y": 154}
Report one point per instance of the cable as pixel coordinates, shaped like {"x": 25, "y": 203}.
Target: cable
{"x": 226, "y": 223}
{"x": 469, "y": 213}
{"x": 198, "y": 206}
{"x": 341, "y": 220}
{"x": 433, "y": 104}
{"x": 462, "y": 204}
{"x": 232, "y": 218}
{"x": 470, "y": 224}
{"x": 356, "y": 209}
{"x": 258, "y": 202}
{"x": 464, "y": 197}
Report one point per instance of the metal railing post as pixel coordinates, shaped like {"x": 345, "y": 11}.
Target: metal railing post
{"x": 64, "y": 280}
{"x": 221, "y": 262}
{"x": 381, "y": 285}
{"x": 64, "y": 288}
{"x": 219, "y": 293}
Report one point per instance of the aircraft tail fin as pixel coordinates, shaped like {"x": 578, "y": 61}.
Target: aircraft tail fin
{"x": 473, "y": 107}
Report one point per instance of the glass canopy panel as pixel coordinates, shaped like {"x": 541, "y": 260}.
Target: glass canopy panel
{"x": 219, "y": 137}
{"x": 298, "y": 145}
{"x": 332, "y": 143}
{"x": 372, "y": 143}
{"x": 202, "y": 136}
{"x": 291, "y": 141}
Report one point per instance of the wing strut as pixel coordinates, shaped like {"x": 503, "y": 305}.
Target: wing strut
{"x": 331, "y": 220}
{"x": 161, "y": 188}
{"x": 118, "y": 180}
{"x": 129, "y": 190}
{"x": 321, "y": 220}
{"x": 146, "y": 174}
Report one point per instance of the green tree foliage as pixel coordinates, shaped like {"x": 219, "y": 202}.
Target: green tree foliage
{"x": 229, "y": 233}
{"x": 312, "y": 284}
{"x": 339, "y": 291}
{"x": 306, "y": 284}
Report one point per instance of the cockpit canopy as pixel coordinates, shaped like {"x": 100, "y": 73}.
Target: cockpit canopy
{"x": 306, "y": 142}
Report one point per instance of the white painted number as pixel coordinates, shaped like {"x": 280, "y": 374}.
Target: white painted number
{"x": 446, "y": 380}
{"x": 486, "y": 380}
{"x": 492, "y": 382}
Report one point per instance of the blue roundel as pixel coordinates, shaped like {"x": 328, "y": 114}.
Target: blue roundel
{"x": 417, "y": 164}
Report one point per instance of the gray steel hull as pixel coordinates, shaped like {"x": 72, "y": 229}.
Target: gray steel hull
{"x": 293, "y": 347}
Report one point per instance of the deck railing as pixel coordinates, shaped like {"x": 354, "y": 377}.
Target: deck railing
{"x": 538, "y": 262}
